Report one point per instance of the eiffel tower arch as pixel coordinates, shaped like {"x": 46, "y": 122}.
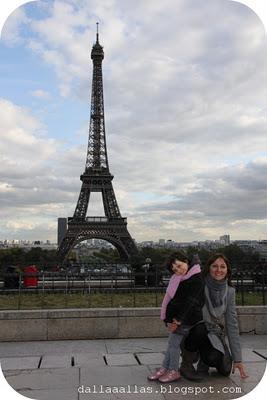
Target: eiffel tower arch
{"x": 97, "y": 178}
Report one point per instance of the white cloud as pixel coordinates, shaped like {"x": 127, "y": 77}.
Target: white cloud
{"x": 21, "y": 142}
{"x": 41, "y": 94}
{"x": 29, "y": 185}
{"x": 185, "y": 106}
{"x": 5, "y": 187}
{"x": 11, "y": 34}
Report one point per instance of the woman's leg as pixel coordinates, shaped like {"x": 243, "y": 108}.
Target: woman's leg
{"x": 225, "y": 366}
{"x": 208, "y": 354}
{"x": 214, "y": 358}
{"x": 198, "y": 340}
{"x": 190, "y": 353}
{"x": 194, "y": 340}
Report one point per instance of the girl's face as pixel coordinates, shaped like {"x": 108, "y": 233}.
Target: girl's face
{"x": 218, "y": 269}
{"x": 179, "y": 267}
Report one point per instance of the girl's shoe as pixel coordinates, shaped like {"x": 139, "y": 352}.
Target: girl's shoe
{"x": 170, "y": 376}
{"x": 157, "y": 374}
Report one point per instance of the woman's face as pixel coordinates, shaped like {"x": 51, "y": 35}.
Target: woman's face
{"x": 218, "y": 269}
{"x": 179, "y": 267}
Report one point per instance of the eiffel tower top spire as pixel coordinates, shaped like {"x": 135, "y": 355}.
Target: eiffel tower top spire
{"x": 97, "y": 50}
{"x": 97, "y": 38}
{"x": 97, "y": 160}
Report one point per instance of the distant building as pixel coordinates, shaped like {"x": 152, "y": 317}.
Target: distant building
{"x": 263, "y": 249}
{"x": 247, "y": 245}
{"x": 211, "y": 245}
{"x": 61, "y": 229}
{"x": 147, "y": 243}
{"x": 27, "y": 245}
{"x": 225, "y": 240}
{"x": 102, "y": 244}
{"x": 171, "y": 244}
{"x": 184, "y": 245}
{"x": 42, "y": 245}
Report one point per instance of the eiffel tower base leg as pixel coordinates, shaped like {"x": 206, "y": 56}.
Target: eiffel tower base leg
{"x": 115, "y": 232}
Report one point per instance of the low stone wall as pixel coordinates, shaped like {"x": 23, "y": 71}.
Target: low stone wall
{"x": 101, "y": 323}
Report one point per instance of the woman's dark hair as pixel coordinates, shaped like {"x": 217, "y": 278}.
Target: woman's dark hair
{"x": 212, "y": 259}
{"x": 178, "y": 255}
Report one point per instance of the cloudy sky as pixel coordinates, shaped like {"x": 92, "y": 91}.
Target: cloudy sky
{"x": 186, "y": 116}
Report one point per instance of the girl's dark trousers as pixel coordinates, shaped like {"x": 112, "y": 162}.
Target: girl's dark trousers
{"x": 198, "y": 340}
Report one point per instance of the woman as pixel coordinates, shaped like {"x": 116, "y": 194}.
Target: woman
{"x": 220, "y": 319}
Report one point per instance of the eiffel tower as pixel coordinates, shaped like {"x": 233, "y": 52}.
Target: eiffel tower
{"x": 97, "y": 178}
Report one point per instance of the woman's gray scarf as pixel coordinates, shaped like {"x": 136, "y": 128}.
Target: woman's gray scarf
{"x": 216, "y": 293}
{"x": 216, "y": 296}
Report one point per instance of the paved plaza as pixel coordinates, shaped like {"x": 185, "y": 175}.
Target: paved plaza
{"x": 116, "y": 369}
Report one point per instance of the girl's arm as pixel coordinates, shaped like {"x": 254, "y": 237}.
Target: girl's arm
{"x": 170, "y": 292}
{"x": 165, "y": 302}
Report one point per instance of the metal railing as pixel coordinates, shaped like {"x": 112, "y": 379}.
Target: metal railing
{"x": 96, "y": 220}
{"x": 105, "y": 286}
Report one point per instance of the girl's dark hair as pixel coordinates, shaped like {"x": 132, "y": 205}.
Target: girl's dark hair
{"x": 178, "y": 255}
{"x": 211, "y": 260}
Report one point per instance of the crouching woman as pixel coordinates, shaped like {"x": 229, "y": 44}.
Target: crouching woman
{"x": 219, "y": 321}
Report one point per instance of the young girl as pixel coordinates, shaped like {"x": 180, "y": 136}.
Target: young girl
{"x": 182, "y": 308}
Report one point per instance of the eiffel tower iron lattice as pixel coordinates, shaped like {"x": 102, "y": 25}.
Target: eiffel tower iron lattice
{"x": 97, "y": 178}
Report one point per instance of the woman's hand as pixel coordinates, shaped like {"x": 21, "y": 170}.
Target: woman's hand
{"x": 240, "y": 367}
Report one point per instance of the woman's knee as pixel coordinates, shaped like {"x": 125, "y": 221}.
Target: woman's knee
{"x": 198, "y": 331}
{"x": 195, "y": 337}
{"x": 212, "y": 358}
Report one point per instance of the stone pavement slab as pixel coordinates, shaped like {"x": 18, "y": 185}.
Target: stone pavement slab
{"x": 56, "y": 361}
{"x": 55, "y": 394}
{"x": 83, "y": 360}
{"x": 252, "y": 340}
{"x": 114, "y": 376}
{"x": 136, "y": 345}
{"x": 11, "y": 363}
{"x": 150, "y": 358}
{"x": 63, "y": 378}
{"x": 8, "y": 349}
{"x": 248, "y": 355}
{"x": 121, "y": 359}
{"x": 262, "y": 352}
